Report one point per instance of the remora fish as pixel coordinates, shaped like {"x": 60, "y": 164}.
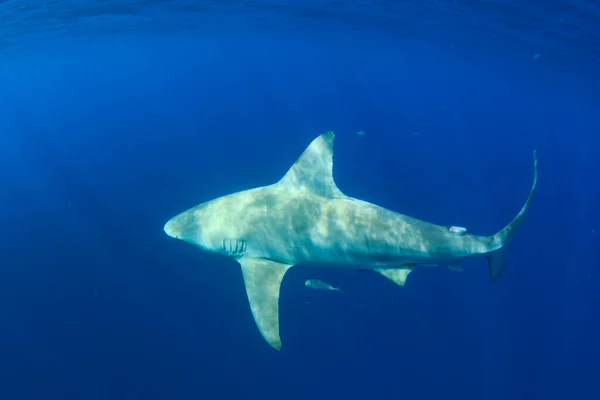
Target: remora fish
{"x": 305, "y": 219}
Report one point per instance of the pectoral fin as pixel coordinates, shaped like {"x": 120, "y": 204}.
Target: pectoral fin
{"x": 263, "y": 281}
{"x": 396, "y": 275}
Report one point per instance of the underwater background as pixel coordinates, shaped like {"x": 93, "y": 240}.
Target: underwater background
{"x": 117, "y": 115}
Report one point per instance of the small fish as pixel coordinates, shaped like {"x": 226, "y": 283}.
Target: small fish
{"x": 454, "y": 268}
{"x": 320, "y": 285}
{"x": 361, "y": 133}
{"x": 459, "y": 230}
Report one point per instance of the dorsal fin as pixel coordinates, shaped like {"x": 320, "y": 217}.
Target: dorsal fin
{"x": 313, "y": 170}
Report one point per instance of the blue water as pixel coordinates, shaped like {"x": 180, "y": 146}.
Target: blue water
{"x": 115, "y": 116}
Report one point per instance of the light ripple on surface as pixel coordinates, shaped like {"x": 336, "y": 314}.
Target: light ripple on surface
{"x": 558, "y": 28}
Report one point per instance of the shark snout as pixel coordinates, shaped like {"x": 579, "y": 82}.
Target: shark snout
{"x": 170, "y": 229}
{"x": 183, "y": 227}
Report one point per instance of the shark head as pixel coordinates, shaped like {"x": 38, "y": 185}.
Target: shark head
{"x": 214, "y": 226}
{"x": 195, "y": 226}
{"x": 184, "y": 227}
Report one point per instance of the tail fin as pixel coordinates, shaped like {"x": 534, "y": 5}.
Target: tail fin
{"x": 501, "y": 239}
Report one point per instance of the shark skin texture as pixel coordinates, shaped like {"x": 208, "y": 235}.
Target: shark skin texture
{"x": 305, "y": 219}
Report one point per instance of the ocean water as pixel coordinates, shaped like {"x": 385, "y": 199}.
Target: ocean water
{"x": 117, "y": 115}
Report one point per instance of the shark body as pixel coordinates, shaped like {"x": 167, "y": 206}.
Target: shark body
{"x": 305, "y": 219}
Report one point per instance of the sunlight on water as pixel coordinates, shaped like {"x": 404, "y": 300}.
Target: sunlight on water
{"x": 554, "y": 28}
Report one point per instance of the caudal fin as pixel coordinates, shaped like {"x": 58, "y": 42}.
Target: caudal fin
{"x": 501, "y": 239}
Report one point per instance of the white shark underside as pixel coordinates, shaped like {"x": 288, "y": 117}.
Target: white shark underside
{"x": 305, "y": 219}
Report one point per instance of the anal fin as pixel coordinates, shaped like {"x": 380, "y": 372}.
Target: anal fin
{"x": 263, "y": 282}
{"x": 496, "y": 264}
{"x": 396, "y": 275}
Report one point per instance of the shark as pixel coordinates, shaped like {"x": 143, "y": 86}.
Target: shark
{"x": 305, "y": 219}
